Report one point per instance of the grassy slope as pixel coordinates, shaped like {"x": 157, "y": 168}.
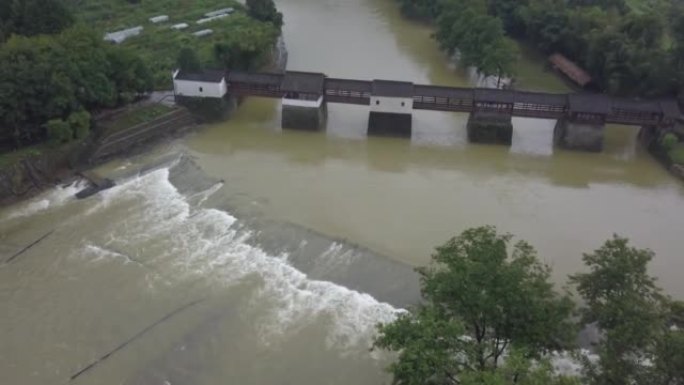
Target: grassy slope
{"x": 158, "y": 44}
{"x": 136, "y": 116}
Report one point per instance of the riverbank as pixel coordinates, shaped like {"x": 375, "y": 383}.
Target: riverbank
{"x": 124, "y": 132}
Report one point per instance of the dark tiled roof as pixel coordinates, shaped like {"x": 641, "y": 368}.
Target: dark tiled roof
{"x": 309, "y": 82}
{"x": 494, "y": 95}
{"x": 670, "y": 109}
{"x": 348, "y": 84}
{"x": 589, "y": 103}
{"x": 392, "y": 88}
{"x": 443, "y": 92}
{"x": 570, "y": 69}
{"x": 255, "y": 78}
{"x": 208, "y": 76}
{"x": 541, "y": 98}
{"x": 636, "y": 105}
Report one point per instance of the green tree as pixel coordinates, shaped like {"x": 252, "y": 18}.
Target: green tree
{"x": 79, "y": 122}
{"x": 35, "y": 17}
{"x": 481, "y": 301}
{"x": 247, "y": 46}
{"x": 668, "y": 358}
{"x": 188, "y": 60}
{"x": 623, "y": 301}
{"x": 51, "y": 76}
{"x": 420, "y": 9}
{"x": 265, "y": 10}
{"x": 466, "y": 28}
{"x": 58, "y": 131}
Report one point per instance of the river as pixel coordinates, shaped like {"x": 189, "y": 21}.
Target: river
{"x": 288, "y": 247}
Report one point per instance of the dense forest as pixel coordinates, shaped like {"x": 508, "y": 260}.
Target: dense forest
{"x": 57, "y": 70}
{"x": 629, "y": 51}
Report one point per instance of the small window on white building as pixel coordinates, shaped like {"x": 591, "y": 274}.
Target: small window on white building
{"x": 377, "y": 102}
{"x": 201, "y": 90}
{"x": 403, "y": 104}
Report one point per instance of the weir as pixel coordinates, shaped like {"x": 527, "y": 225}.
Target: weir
{"x": 304, "y": 95}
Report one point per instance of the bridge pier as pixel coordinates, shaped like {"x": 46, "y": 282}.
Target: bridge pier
{"x": 389, "y": 124}
{"x": 303, "y": 105}
{"x": 391, "y": 105}
{"x": 487, "y": 127}
{"x": 583, "y": 136}
{"x": 308, "y": 115}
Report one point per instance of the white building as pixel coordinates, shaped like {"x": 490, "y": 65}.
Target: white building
{"x": 208, "y": 19}
{"x": 391, "y": 97}
{"x": 206, "y": 84}
{"x": 159, "y": 19}
{"x": 179, "y": 26}
{"x": 222, "y": 11}
{"x": 204, "y": 32}
{"x": 118, "y": 37}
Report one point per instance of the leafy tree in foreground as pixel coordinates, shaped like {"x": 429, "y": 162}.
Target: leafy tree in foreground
{"x": 622, "y": 299}
{"x": 481, "y": 301}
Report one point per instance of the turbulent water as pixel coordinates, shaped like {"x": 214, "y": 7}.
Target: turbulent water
{"x": 245, "y": 254}
{"x": 147, "y": 249}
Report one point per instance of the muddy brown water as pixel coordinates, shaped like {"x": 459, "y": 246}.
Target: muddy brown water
{"x": 296, "y": 244}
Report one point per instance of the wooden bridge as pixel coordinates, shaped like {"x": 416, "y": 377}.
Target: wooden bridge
{"x": 581, "y": 116}
{"x": 578, "y": 107}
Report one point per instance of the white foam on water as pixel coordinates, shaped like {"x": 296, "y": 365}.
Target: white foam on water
{"x": 54, "y": 197}
{"x": 188, "y": 242}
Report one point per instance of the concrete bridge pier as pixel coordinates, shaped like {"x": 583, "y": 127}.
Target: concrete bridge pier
{"x": 489, "y": 127}
{"x": 582, "y": 136}
{"x": 303, "y": 103}
{"x": 391, "y": 107}
{"x": 308, "y": 115}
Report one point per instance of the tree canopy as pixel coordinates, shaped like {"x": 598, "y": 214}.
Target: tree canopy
{"x": 265, "y": 10}
{"x": 50, "y": 76}
{"x": 490, "y": 315}
{"x": 483, "y": 297}
{"x": 33, "y": 17}
{"x": 626, "y": 52}
{"x": 633, "y": 315}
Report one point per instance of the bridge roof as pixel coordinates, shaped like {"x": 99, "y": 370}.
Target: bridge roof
{"x": 392, "y": 88}
{"x": 541, "y": 98}
{"x": 443, "y": 92}
{"x": 309, "y": 82}
{"x": 589, "y": 103}
{"x": 637, "y": 105}
{"x": 670, "y": 109}
{"x": 348, "y": 84}
{"x": 207, "y": 76}
{"x": 494, "y": 95}
{"x": 256, "y": 78}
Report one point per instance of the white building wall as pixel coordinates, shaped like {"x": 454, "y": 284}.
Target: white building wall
{"x": 200, "y": 89}
{"x": 391, "y": 105}
{"x": 303, "y": 103}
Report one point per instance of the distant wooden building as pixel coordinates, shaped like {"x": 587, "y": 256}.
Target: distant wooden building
{"x": 570, "y": 70}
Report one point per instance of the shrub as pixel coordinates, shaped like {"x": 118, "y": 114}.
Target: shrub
{"x": 676, "y": 153}
{"x": 669, "y": 141}
{"x": 79, "y": 123}
{"x": 58, "y": 131}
